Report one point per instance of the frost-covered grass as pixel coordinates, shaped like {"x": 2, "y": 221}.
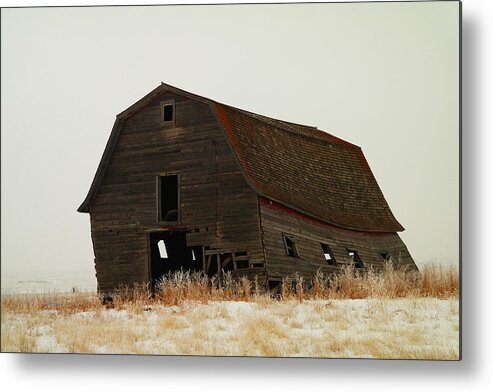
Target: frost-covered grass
{"x": 421, "y": 328}
{"x": 388, "y": 315}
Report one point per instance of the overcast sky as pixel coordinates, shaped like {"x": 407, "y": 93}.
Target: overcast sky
{"x": 381, "y": 75}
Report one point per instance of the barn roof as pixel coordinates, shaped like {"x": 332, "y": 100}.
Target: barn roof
{"x": 306, "y": 169}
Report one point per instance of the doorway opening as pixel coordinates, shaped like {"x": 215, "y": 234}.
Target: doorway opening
{"x": 169, "y": 252}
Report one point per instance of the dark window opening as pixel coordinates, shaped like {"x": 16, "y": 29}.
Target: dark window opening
{"x": 328, "y": 255}
{"x": 168, "y": 112}
{"x": 257, "y": 265}
{"x": 168, "y": 198}
{"x": 290, "y": 246}
{"x": 356, "y": 259}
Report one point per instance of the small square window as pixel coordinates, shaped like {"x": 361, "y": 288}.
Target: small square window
{"x": 290, "y": 246}
{"x": 328, "y": 255}
{"x": 356, "y": 259}
{"x": 167, "y": 113}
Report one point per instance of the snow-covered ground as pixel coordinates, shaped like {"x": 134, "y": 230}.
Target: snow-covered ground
{"x": 42, "y": 281}
{"x": 424, "y": 328}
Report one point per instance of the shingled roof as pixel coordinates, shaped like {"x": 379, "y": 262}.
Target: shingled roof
{"x": 305, "y": 169}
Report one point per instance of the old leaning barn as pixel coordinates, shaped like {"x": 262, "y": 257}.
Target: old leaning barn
{"x": 187, "y": 182}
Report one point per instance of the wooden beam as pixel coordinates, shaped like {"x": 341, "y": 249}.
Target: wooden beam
{"x": 209, "y": 259}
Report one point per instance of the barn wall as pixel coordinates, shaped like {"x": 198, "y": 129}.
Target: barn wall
{"x": 217, "y": 207}
{"x": 308, "y": 235}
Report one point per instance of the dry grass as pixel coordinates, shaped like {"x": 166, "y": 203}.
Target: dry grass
{"x": 435, "y": 281}
{"x": 50, "y": 301}
{"x": 391, "y": 315}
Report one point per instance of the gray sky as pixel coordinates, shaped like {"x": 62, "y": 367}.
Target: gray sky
{"x": 381, "y": 75}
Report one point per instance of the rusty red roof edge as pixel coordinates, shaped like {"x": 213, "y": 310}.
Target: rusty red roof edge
{"x": 265, "y": 201}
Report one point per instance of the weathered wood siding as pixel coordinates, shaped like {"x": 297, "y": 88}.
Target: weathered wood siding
{"x": 308, "y": 235}
{"x": 216, "y": 205}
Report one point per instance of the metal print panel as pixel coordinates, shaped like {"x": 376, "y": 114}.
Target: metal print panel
{"x": 281, "y": 180}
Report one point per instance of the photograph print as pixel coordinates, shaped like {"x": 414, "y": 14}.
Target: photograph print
{"x": 268, "y": 180}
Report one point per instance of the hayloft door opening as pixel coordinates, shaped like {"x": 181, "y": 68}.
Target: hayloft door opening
{"x": 169, "y": 253}
{"x": 168, "y": 198}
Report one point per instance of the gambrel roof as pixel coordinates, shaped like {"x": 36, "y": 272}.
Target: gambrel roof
{"x": 305, "y": 169}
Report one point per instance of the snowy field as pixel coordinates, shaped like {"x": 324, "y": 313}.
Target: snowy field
{"x": 42, "y": 281}
{"x": 420, "y": 328}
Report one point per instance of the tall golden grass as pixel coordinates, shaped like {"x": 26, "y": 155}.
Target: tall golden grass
{"x": 29, "y": 303}
{"x": 436, "y": 281}
{"x": 433, "y": 281}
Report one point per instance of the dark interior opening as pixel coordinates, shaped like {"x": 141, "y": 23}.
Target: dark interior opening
{"x": 385, "y": 256}
{"x": 197, "y": 256}
{"x": 242, "y": 264}
{"x": 211, "y": 262}
{"x": 275, "y": 287}
{"x": 168, "y": 198}
{"x": 168, "y": 112}
{"x": 241, "y": 260}
{"x": 217, "y": 263}
{"x": 227, "y": 262}
{"x": 356, "y": 259}
{"x": 169, "y": 252}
